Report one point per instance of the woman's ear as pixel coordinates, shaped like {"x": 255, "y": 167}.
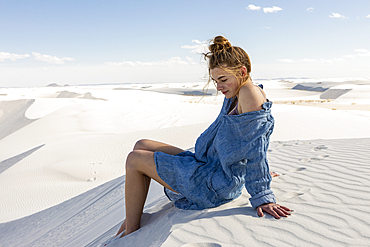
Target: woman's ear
{"x": 243, "y": 71}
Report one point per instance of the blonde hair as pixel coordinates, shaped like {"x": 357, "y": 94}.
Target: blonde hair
{"x": 230, "y": 58}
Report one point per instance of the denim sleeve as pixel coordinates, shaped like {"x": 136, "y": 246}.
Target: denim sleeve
{"x": 246, "y": 141}
{"x": 258, "y": 179}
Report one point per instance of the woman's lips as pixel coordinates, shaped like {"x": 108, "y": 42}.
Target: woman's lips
{"x": 225, "y": 92}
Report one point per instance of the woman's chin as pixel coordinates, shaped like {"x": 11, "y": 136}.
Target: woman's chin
{"x": 228, "y": 96}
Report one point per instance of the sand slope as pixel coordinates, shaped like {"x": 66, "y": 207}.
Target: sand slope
{"x": 330, "y": 198}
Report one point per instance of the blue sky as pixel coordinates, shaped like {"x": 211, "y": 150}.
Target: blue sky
{"x": 95, "y": 42}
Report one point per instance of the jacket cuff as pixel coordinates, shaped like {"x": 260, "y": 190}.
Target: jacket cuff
{"x": 263, "y": 197}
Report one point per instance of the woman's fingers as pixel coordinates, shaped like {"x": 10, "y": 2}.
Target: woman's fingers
{"x": 281, "y": 212}
{"x": 286, "y": 209}
{"x": 274, "y": 212}
{"x": 259, "y": 212}
{"x": 273, "y": 209}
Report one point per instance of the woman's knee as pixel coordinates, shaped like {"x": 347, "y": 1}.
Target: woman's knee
{"x": 141, "y": 144}
{"x": 131, "y": 160}
{"x": 138, "y": 159}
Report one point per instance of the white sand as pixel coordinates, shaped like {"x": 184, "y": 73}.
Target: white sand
{"x": 62, "y": 154}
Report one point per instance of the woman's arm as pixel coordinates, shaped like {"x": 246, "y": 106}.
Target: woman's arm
{"x": 251, "y": 99}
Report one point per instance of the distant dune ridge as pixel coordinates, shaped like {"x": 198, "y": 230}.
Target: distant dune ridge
{"x": 62, "y": 155}
{"x": 68, "y": 94}
{"x": 333, "y": 93}
{"x": 328, "y": 92}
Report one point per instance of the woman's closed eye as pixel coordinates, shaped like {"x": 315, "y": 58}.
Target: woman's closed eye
{"x": 221, "y": 81}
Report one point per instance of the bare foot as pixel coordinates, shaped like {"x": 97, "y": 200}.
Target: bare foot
{"x": 123, "y": 234}
{"x": 274, "y": 174}
{"x": 122, "y": 229}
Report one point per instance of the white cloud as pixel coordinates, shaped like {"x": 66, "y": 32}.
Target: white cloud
{"x": 368, "y": 16}
{"x": 198, "y": 42}
{"x": 190, "y": 60}
{"x": 253, "y": 7}
{"x": 363, "y": 52}
{"x": 307, "y": 60}
{"x": 267, "y": 27}
{"x": 124, "y": 63}
{"x": 309, "y": 9}
{"x": 12, "y": 57}
{"x": 273, "y": 9}
{"x": 337, "y": 15}
{"x": 200, "y": 47}
{"x": 334, "y": 60}
{"x": 51, "y": 59}
{"x": 171, "y": 62}
{"x": 286, "y": 60}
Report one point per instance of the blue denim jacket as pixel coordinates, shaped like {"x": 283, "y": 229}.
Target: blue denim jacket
{"x": 229, "y": 155}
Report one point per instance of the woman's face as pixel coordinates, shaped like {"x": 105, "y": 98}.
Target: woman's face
{"x": 226, "y": 82}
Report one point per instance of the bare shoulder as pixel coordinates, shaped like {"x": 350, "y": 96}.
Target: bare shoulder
{"x": 250, "y": 98}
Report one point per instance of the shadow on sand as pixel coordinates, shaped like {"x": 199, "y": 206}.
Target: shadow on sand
{"x": 5, "y": 164}
{"x": 13, "y": 116}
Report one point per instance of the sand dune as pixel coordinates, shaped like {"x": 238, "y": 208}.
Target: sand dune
{"x": 333, "y": 93}
{"x": 12, "y": 116}
{"x": 68, "y": 94}
{"x": 62, "y": 166}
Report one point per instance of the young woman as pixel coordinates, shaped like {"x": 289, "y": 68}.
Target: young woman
{"x": 229, "y": 155}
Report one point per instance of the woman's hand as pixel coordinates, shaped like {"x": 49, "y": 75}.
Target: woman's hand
{"x": 274, "y": 209}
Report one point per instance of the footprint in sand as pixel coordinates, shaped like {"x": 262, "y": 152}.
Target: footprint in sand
{"x": 319, "y": 148}
{"x": 91, "y": 179}
{"x": 285, "y": 145}
{"x": 293, "y": 170}
{"x": 300, "y": 192}
{"x": 201, "y": 245}
{"x": 297, "y": 169}
{"x": 303, "y": 143}
{"x": 288, "y": 144}
{"x": 317, "y": 158}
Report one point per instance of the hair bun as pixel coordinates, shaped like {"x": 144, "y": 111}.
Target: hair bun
{"x": 219, "y": 43}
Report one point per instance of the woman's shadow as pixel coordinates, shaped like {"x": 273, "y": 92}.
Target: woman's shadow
{"x": 161, "y": 218}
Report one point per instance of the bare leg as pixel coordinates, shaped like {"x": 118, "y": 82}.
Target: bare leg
{"x": 150, "y": 145}
{"x": 123, "y": 226}
{"x": 154, "y": 146}
{"x": 140, "y": 168}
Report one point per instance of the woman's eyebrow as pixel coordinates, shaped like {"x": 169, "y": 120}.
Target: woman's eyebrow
{"x": 218, "y": 78}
